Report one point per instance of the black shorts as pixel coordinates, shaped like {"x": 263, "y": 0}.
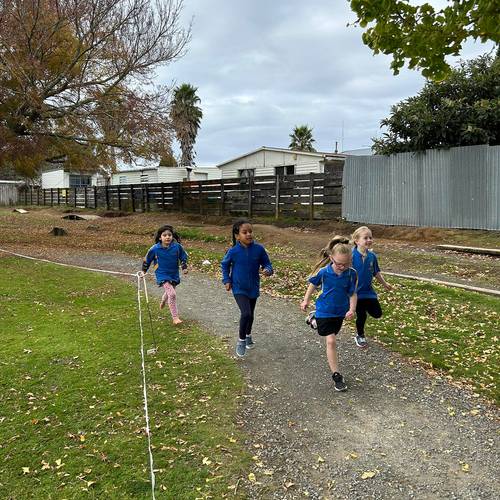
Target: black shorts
{"x": 329, "y": 326}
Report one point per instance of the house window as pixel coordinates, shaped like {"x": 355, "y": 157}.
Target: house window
{"x": 246, "y": 172}
{"x": 144, "y": 178}
{"x": 285, "y": 170}
{"x": 122, "y": 179}
{"x": 79, "y": 180}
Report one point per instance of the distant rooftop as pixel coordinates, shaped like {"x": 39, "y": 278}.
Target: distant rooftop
{"x": 283, "y": 150}
{"x": 358, "y": 152}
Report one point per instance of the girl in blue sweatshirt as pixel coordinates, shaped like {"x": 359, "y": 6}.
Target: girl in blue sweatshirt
{"x": 240, "y": 273}
{"x": 166, "y": 255}
{"x": 366, "y": 264}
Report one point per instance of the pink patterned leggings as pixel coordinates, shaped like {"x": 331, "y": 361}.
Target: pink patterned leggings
{"x": 169, "y": 297}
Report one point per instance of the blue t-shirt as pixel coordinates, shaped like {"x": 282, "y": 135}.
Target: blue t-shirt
{"x": 336, "y": 290}
{"x": 166, "y": 261}
{"x": 241, "y": 266}
{"x": 366, "y": 268}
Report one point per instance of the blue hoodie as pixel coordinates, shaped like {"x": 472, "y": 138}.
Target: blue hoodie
{"x": 166, "y": 262}
{"x": 241, "y": 266}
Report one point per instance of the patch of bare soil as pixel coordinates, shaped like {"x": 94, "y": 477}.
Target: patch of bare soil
{"x": 400, "y": 249}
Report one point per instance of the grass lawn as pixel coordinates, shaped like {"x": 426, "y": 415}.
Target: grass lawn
{"x": 71, "y": 409}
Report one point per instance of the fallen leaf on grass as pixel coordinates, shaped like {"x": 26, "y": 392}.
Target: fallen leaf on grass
{"x": 368, "y": 474}
{"x": 251, "y": 477}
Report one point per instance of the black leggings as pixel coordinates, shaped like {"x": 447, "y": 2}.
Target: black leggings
{"x": 370, "y": 306}
{"x": 247, "y": 307}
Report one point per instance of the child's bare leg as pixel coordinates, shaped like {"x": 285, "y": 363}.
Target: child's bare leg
{"x": 172, "y": 302}
{"x": 331, "y": 352}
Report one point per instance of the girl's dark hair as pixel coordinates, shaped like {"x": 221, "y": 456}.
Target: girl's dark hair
{"x": 236, "y": 228}
{"x": 338, "y": 244}
{"x": 166, "y": 227}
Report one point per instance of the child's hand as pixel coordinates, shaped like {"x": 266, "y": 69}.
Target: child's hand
{"x": 266, "y": 272}
{"x": 350, "y": 314}
{"x": 228, "y": 286}
{"x": 304, "y": 305}
{"x": 388, "y": 287}
{"x": 140, "y": 274}
{"x": 185, "y": 271}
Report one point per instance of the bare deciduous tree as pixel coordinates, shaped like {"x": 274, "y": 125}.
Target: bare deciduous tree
{"x": 76, "y": 80}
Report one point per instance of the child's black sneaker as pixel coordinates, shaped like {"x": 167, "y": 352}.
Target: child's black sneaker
{"x": 311, "y": 320}
{"x": 250, "y": 344}
{"x": 361, "y": 342}
{"x": 338, "y": 381}
{"x": 241, "y": 348}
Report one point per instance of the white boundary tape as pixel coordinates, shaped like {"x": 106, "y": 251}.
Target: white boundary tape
{"x": 470, "y": 288}
{"x": 139, "y": 277}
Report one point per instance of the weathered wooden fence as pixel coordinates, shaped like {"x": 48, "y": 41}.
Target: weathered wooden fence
{"x": 9, "y": 194}
{"x": 310, "y": 196}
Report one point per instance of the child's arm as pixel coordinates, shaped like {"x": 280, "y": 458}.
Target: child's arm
{"x": 183, "y": 257}
{"x": 382, "y": 281}
{"x": 307, "y": 297}
{"x": 226, "y": 268}
{"x": 265, "y": 263}
{"x": 146, "y": 262}
{"x": 353, "y": 300}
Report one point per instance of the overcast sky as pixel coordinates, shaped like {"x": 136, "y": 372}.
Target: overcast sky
{"x": 262, "y": 67}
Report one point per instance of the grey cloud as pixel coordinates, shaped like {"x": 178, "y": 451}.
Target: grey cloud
{"x": 262, "y": 67}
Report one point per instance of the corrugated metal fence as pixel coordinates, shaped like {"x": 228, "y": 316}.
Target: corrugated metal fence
{"x": 455, "y": 188}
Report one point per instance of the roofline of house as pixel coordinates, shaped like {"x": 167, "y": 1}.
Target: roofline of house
{"x": 284, "y": 150}
{"x": 135, "y": 170}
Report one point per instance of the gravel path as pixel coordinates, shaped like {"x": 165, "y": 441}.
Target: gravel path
{"x": 417, "y": 436}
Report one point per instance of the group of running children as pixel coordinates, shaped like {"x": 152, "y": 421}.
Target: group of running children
{"x": 343, "y": 275}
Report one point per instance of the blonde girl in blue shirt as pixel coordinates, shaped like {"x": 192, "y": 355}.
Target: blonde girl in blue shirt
{"x": 337, "y": 301}
{"x": 366, "y": 264}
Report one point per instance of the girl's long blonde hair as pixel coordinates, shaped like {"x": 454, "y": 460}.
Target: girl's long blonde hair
{"x": 337, "y": 245}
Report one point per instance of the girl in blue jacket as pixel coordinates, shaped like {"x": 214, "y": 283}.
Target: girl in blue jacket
{"x": 240, "y": 273}
{"x": 366, "y": 264}
{"x": 166, "y": 255}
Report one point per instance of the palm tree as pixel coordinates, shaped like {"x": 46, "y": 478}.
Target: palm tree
{"x": 302, "y": 138}
{"x": 186, "y": 117}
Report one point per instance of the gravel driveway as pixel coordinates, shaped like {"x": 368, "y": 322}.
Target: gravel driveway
{"x": 396, "y": 433}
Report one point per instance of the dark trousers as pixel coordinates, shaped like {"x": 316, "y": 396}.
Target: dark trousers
{"x": 247, "y": 308}
{"x": 364, "y": 307}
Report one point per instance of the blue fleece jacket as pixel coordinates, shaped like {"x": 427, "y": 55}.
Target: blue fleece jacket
{"x": 241, "y": 266}
{"x": 166, "y": 262}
